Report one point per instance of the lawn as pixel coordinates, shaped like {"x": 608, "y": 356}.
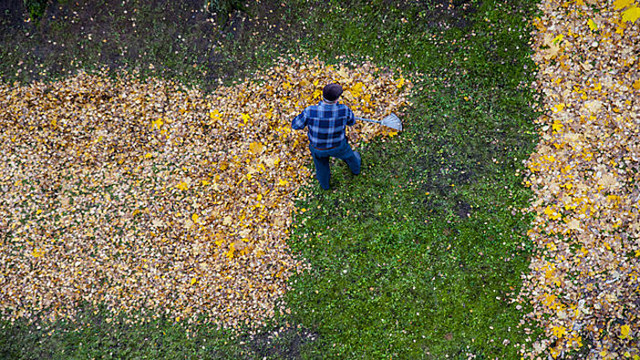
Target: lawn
{"x": 420, "y": 256}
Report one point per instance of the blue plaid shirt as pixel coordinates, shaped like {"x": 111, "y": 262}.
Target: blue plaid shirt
{"x": 325, "y": 123}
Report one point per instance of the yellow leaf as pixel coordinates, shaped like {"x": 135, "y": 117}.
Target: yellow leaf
{"x": 557, "y": 125}
{"x": 148, "y": 155}
{"x": 256, "y": 148}
{"x": 632, "y": 14}
{"x": 548, "y": 211}
{"x": 182, "y": 185}
{"x": 215, "y": 116}
{"x": 549, "y": 299}
{"x": 559, "y": 331}
{"x": 37, "y": 253}
{"x": 624, "y": 331}
{"x": 232, "y": 249}
{"x": 356, "y": 90}
{"x": 193, "y": 281}
{"x": 621, "y": 4}
{"x": 245, "y": 118}
{"x": 552, "y": 247}
{"x": 195, "y": 218}
{"x": 220, "y": 241}
{"x": 557, "y": 39}
{"x": 636, "y": 85}
{"x": 157, "y": 123}
{"x": 400, "y": 82}
{"x": 283, "y": 182}
{"x": 348, "y": 96}
{"x": 592, "y": 25}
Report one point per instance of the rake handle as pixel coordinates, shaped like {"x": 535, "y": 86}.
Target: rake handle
{"x": 369, "y": 120}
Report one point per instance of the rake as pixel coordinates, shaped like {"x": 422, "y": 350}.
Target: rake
{"x": 390, "y": 120}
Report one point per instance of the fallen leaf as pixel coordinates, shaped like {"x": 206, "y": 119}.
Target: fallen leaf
{"x": 631, "y": 15}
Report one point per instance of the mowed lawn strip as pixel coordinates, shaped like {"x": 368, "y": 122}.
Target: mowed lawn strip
{"x": 417, "y": 256}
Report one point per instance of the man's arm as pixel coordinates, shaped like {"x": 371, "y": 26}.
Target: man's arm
{"x": 351, "y": 118}
{"x": 299, "y": 122}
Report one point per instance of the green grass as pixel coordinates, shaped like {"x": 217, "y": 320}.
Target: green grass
{"x": 438, "y": 268}
{"x": 414, "y": 258}
{"x": 176, "y": 40}
{"x": 99, "y": 335}
{"x": 417, "y": 257}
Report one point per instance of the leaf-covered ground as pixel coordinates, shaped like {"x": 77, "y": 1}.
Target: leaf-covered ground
{"x": 584, "y": 282}
{"x": 144, "y": 195}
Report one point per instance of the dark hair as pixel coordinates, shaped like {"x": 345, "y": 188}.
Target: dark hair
{"x": 332, "y": 92}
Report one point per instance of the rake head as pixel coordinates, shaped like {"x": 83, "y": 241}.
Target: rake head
{"x": 392, "y": 121}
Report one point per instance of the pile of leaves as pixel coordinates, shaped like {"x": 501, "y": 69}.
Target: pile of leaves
{"x": 584, "y": 283}
{"x": 149, "y": 197}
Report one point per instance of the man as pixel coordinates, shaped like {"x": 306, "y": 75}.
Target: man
{"x": 326, "y": 123}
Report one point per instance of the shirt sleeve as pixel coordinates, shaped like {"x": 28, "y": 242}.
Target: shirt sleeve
{"x": 351, "y": 118}
{"x": 299, "y": 122}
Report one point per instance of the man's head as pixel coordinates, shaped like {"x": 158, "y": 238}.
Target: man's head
{"x": 331, "y": 92}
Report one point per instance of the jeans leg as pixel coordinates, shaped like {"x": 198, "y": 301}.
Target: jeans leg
{"x": 352, "y": 159}
{"x": 323, "y": 172}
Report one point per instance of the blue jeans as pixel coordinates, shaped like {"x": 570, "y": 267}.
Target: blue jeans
{"x": 321, "y": 160}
